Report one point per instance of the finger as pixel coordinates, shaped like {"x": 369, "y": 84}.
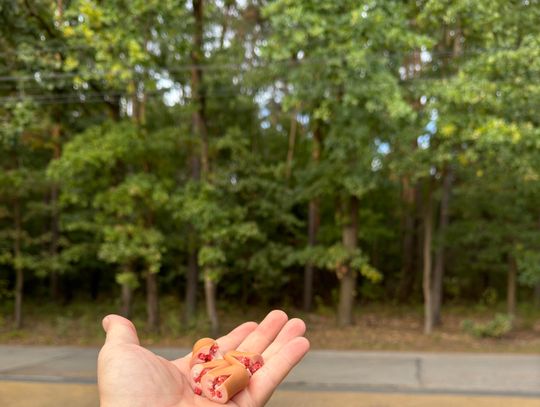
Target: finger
{"x": 265, "y": 381}
{"x": 293, "y": 328}
{"x": 265, "y": 333}
{"x": 236, "y": 336}
{"x": 119, "y": 330}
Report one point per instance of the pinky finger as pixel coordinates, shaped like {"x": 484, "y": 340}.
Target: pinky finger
{"x": 265, "y": 381}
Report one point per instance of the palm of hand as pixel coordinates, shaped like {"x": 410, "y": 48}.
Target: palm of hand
{"x": 130, "y": 375}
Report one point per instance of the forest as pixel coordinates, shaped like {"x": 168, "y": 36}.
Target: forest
{"x": 256, "y": 152}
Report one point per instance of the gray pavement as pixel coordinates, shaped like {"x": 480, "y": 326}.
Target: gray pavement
{"x": 400, "y": 372}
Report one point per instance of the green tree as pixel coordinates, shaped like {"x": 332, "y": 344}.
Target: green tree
{"x": 356, "y": 97}
{"x": 468, "y": 94}
{"x": 22, "y": 186}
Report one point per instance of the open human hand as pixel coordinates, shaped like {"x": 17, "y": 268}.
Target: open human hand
{"x": 130, "y": 375}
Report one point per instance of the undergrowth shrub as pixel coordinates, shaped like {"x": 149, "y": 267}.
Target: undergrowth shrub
{"x": 498, "y": 327}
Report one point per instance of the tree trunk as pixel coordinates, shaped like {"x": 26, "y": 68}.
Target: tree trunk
{"x": 152, "y": 295}
{"x": 192, "y": 276}
{"x": 410, "y": 235}
{"x": 427, "y": 274}
{"x": 309, "y": 271}
{"x": 537, "y": 295}
{"x": 438, "y": 273}
{"x": 127, "y": 300}
{"x": 408, "y": 249}
{"x": 292, "y": 142}
{"x": 511, "y": 286}
{"x": 314, "y": 220}
{"x": 199, "y": 123}
{"x": 152, "y": 304}
{"x": 54, "y": 287}
{"x": 95, "y": 277}
{"x": 192, "y": 279}
{"x": 55, "y": 229}
{"x": 347, "y": 287}
{"x": 225, "y": 24}
{"x": 211, "y": 308}
{"x": 197, "y": 85}
{"x": 19, "y": 271}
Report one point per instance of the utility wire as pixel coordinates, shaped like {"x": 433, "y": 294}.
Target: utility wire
{"x": 81, "y": 98}
{"x": 245, "y": 67}
{"x": 435, "y": 52}
{"x": 246, "y": 90}
{"x": 96, "y": 99}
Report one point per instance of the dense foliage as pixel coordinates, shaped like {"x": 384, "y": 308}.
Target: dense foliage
{"x": 265, "y": 151}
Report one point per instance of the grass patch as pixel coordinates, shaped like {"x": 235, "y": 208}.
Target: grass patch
{"x": 377, "y": 326}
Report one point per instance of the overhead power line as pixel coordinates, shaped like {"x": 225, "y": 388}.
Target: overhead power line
{"x": 410, "y": 52}
{"x": 244, "y": 66}
{"x": 109, "y": 96}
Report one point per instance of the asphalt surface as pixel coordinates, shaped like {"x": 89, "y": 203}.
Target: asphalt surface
{"x": 32, "y": 375}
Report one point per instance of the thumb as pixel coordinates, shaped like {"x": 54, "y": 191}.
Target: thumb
{"x": 119, "y": 330}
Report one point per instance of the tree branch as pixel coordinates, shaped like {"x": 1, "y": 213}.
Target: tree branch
{"x": 52, "y": 33}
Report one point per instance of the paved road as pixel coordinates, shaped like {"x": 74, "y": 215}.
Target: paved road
{"x": 485, "y": 374}
{"x": 348, "y": 378}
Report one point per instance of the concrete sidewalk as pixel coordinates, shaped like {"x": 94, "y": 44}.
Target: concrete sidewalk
{"x": 33, "y": 394}
{"x": 323, "y": 371}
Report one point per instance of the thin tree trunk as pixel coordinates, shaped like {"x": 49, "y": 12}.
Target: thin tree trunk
{"x": 54, "y": 287}
{"x": 292, "y": 142}
{"x": 127, "y": 300}
{"x": 225, "y": 24}
{"x": 511, "y": 286}
{"x": 427, "y": 274}
{"x": 152, "y": 295}
{"x": 19, "y": 272}
{"x": 438, "y": 273}
{"x": 152, "y": 304}
{"x": 55, "y": 233}
{"x": 197, "y": 85}
{"x": 419, "y": 242}
{"x": 210, "y": 288}
{"x": 309, "y": 271}
{"x": 408, "y": 248}
{"x": 347, "y": 286}
{"x": 199, "y": 122}
{"x": 314, "y": 220}
{"x": 211, "y": 309}
{"x": 192, "y": 279}
{"x": 537, "y": 295}
{"x": 409, "y": 223}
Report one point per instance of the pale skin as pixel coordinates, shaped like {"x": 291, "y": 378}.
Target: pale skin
{"x": 131, "y": 375}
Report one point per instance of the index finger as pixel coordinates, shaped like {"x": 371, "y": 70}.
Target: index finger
{"x": 265, "y": 381}
{"x": 265, "y": 333}
{"x": 236, "y": 336}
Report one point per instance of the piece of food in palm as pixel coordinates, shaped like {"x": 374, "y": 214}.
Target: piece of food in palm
{"x": 200, "y": 369}
{"x": 250, "y": 360}
{"x": 221, "y": 384}
{"x": 205, "y": 350}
